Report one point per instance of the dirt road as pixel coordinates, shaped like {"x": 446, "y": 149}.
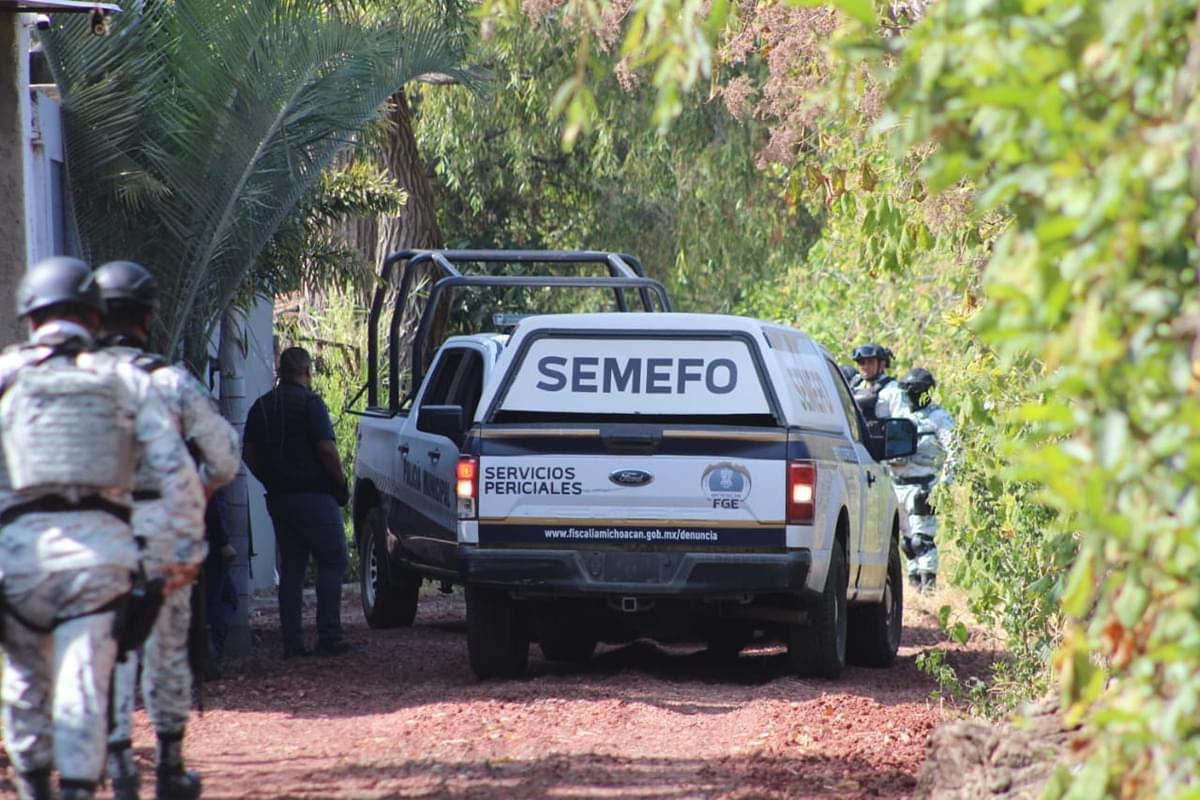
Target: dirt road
{"x": 404, "y": 717}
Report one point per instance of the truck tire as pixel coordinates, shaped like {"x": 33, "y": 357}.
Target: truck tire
{"x": 497, "y": 645}
{"x": 389, "y": 593}
{"x": 817, "y": 649}
{"x": 875, "y": 629}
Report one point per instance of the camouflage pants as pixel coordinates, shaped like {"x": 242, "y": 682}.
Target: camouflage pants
{"x": 922, "y": 528}
{"x": 55, "y": 686}
{"x": 166, "y": 674}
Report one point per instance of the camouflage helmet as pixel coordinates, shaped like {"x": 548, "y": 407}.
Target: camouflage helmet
{"x": 127, "y": 282}
{"x": 59, "y": 280}
{"x": 917, "y": 384}
{"x": 872, "y": 350}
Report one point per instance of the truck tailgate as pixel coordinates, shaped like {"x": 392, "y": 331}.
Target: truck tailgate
{"x": 673, "y": 500}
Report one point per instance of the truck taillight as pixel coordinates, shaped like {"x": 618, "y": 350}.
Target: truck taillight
{"x": 801, "y": 492}
{"x": 467, "y": 487}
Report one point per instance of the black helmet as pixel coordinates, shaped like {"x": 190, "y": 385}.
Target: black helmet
{"x": 848, "y": 372}
{"x": 872, "y": 350}
{"x": 60, "y": 279}
{"x": 917, "y": 383}
{"x": 125, "y": 281}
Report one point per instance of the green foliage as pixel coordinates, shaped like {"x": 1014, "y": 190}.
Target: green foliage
{"x": 1078, "y": 121}
{"x": 308, "y": 250}
{"x": 675, "y": 41}
{"x": 689, "y": 207}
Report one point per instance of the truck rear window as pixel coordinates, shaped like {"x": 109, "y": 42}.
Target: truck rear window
{"x": 612, "y": 378}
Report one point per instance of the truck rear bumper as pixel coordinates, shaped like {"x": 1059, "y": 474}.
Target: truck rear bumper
{"x": 605, "y": 572}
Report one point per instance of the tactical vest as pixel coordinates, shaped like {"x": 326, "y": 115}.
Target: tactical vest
{"x": 67, "y": 429}
{"x": 866, "y": 395}
{"x": 145, "y": 482}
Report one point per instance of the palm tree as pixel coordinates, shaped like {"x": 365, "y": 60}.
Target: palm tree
{"x": 193, "y": 130}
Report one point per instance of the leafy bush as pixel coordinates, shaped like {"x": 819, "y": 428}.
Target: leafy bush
{"x": 1078, "y": 120}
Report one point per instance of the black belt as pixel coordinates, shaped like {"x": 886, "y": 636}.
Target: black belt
{"x": 56, "y": 504}
{"x": 146, "y": 496}
{"x": 921, "y": 481}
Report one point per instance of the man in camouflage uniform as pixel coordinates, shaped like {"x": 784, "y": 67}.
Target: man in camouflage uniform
{"x": 915, "y": 476}
{"x": 876, "y": 392}
{"x": 130, "y": 293}
{"x": 66, "y": 548}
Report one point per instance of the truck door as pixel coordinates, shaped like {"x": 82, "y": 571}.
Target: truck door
{"x": 872, "y": 556}
{"x": 428, "y": 458}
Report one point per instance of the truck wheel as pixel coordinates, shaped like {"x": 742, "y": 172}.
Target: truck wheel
{"x": 818, "y": 649}
{"x": 875, "y": 629}
{"x": 389, "y": 593}
{"x": 497, "y": 645}
{"x": 567, "y": 642}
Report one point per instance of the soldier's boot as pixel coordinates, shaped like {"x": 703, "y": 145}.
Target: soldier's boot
{"x": 34, "y": 784}
{"x": 928, "y": 581}
{"x": 122, "y": 771}
{"x": 174, "y": 782}
{"x": 70, "y": 789}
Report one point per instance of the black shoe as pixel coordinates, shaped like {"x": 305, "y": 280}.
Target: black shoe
{"x": 297, "y": 651}
{"x": 76, "y": 789}
{"x": 335, "y": 648}
{"x": 177, "y": 784}
{"x": 914, "y": 580}
{"x": 123, "y": 772}
{"x": 34, "y": 785}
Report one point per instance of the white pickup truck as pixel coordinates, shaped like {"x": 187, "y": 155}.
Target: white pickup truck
{"x": 604, "y": 477}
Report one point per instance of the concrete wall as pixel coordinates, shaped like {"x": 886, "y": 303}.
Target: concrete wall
{"x": 14, "y": 144}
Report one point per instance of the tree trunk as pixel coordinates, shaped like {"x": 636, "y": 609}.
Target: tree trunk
{"x": 415, "y": 228}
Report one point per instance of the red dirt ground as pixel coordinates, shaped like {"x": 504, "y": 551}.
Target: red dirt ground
{"x": 403, "y": 716}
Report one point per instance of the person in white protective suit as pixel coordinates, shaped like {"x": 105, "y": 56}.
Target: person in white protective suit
{"x": 74, "y": 421}
{"x": 130, "y": 293}
{"x": 875, "y": 392}
{"x": 915, "y": 476}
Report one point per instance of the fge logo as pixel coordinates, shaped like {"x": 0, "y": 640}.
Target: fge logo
{"x": 726, "y": 485}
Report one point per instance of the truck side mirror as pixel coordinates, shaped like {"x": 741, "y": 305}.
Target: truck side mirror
{"x": 442, "y": 420}
{"x": 899, "y": 438}
{"x": 891, "y": 438}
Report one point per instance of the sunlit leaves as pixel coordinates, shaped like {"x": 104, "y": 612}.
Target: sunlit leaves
{"x": 1069, "y": 116}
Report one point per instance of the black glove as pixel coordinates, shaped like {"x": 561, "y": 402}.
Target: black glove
{"x": 342, "y": 494}
{"x": 921, "y": 505}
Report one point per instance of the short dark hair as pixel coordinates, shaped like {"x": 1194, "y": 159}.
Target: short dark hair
{"x": 123, "y": 315}
{"x": 295, "y": 362}
{"x": 71, "y": 312}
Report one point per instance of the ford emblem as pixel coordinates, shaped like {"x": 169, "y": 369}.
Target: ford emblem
{"x": 630, "y": 477}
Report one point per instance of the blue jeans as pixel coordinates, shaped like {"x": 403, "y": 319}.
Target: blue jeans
{"x": 309, "y": 524}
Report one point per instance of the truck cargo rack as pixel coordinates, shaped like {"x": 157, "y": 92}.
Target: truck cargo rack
{"x": 626, "y": 274}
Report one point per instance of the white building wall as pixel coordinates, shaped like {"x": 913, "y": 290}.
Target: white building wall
{"x": 259, "y": 370}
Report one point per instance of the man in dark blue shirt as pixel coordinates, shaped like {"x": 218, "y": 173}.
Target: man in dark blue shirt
{"x": 290, "y": 447}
